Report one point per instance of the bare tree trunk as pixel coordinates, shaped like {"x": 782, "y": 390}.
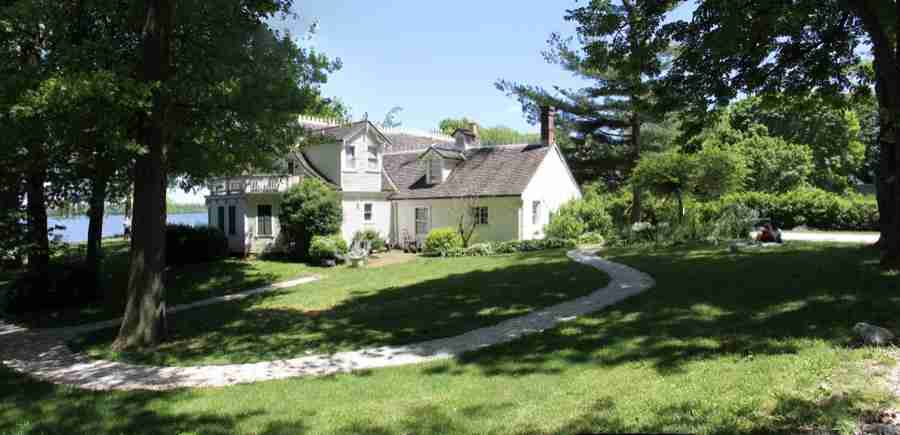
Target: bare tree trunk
{"x": 637, "y": 201}
{"x": 145, "y": 312}
{"x": 39, "y": 254}
{"x": 94, "y": 259}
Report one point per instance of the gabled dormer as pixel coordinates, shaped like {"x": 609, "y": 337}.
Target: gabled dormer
{"x": 439, "y": 163}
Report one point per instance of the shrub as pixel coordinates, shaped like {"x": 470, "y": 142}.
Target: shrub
{"x": 591, "y": 239}
{"x": 576, "y": 217}
{"x": 441, "y": 240}
{"x": 311, "y": 208}
{"x": 811, "y": 207}
{"x": 480, "y": 250}
{"x": 375, "y": 241}
{"x": 327, "y": 247}
{"x": 565, "y": 225}
{"x": 190, "y": 245}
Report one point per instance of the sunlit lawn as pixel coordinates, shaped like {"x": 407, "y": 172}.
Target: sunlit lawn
{"x": 748, "y": 343}
{"x": 353, "y": 308}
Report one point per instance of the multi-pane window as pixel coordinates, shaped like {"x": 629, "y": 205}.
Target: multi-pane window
{"x": 350, "y": 157}
{"x": 264, "y": 220}
{"x": 422, "y": 221}
{"x": 220, "y": 222}
{"x": 232, "y": 220}
{"x": 368, "y": 214}
{"x": 373, "y": 158}
{"x": 536, "y": 212}
{"x": 480, "y": 215}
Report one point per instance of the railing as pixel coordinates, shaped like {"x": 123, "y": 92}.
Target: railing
{"x": 252, "y": 184}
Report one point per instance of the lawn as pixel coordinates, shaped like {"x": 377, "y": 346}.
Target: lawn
{"x": 746, "y": 343}
{"x": 355, "y": 308}
{"x": 183, "y": 284}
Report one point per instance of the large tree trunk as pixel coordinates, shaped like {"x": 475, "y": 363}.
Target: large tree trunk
{"x": 39, "y": 252}
{"x": 637, "y": 201}
{"x": 94, "y": 260}
{"x": 145, "y": 312}
{"x": 886, "y": 50}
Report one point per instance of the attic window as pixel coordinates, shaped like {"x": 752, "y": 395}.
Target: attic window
{"x": 434, "y": 171}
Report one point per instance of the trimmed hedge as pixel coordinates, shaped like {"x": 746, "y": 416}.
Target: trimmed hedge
{"x": 814, "y": 208}
{"x": 190, "y": 245}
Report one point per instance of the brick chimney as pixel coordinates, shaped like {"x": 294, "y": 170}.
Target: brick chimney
{"x": 548, "y": 125}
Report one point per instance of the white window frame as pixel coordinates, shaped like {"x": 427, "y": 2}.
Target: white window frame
{"x": 372, "y": 159}
{"x": 371, "y": 212}
{"x": 480, "y": 215}
{"x": 535, "y": 212}
{"x": 426, "y": 221}
{"x": 349, "y": 156}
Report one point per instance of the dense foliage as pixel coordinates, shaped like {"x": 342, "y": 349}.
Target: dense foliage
{"x": 330, "y": 247}
{"x": 310, "y": 208}
{"x": 442, "y": 240}
{"x": 186, "y": 244}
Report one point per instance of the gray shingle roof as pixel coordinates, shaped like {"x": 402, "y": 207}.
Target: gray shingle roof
{"x": 489, "y": 171}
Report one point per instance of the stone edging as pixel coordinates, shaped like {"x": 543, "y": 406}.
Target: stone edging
{"x": 45, "y": 356}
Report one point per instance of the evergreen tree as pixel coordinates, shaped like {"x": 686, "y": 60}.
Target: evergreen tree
{"x": 620, "y": 47}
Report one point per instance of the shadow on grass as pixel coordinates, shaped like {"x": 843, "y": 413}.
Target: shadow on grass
{"x": 709, "y": 304}
{"x": 377, "y": 313}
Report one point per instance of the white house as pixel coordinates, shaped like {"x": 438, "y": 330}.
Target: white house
{"x": 403, "y": 184}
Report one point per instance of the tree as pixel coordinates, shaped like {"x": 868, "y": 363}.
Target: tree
{"x": 311, "y": 208}
{"x": 497, "y": 135}
{"x": 794, "y": 47}
{"x": 832, "y": 133}
{"x": 207, "y": 121}
{"x": 390, "y": 119}
{"x": 707, "y": 174}
{"x": 622, "y": 49}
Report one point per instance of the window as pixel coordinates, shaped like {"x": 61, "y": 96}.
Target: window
{"x": 373, "y": 158}
{"x": 350, "y": 157}
{"x": 480, "y": 214}
{"x": 536, "y": 212}
{"x": 264, "y": 220}
{"x": 367, "y": 212}
{"x": 422, "y": 221}
{"x": 232, "y": 220}
{"x": 221, "y": 221}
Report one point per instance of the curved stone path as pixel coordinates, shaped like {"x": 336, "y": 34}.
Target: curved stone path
{"x": 46, "y": 357}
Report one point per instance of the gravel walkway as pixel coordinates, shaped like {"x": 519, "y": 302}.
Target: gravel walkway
{"x": 815, "y": 236}
{"x": 45, "y": 356}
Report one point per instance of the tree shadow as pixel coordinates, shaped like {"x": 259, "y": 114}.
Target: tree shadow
{"x": 708, "y": 304}
{"x": 389, "y": 312}
{"x": 32, "y": 407}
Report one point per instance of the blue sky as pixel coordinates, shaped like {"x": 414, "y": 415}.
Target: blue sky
{"x": 438, "y": 59}
{"x": 435, "y": 59}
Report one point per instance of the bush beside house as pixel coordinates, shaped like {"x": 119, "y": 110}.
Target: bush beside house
{"x": 310, "y": 208}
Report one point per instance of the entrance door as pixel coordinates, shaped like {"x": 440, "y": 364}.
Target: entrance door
{"x": 423, "y": 224}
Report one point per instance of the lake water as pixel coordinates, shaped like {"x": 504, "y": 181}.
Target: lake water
{"x": 77, "y": 226}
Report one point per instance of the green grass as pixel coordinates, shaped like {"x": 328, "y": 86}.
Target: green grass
{"x": 183, "y": 285}
{"x": 748, "y": 343}
{"x": 355, "y": 308}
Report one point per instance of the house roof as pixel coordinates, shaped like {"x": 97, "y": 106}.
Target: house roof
{"x": 348, "y": 131}
{"x": 489, "y": 171}
{"x": 306, "y": 169}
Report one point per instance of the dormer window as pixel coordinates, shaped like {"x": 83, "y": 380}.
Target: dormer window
{"x": 349, "y": 156}
{"x": 434, "y": 171}
{"x": 373, "y": 158}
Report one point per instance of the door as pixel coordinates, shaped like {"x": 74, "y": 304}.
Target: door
{"x": 423, "y": 224}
